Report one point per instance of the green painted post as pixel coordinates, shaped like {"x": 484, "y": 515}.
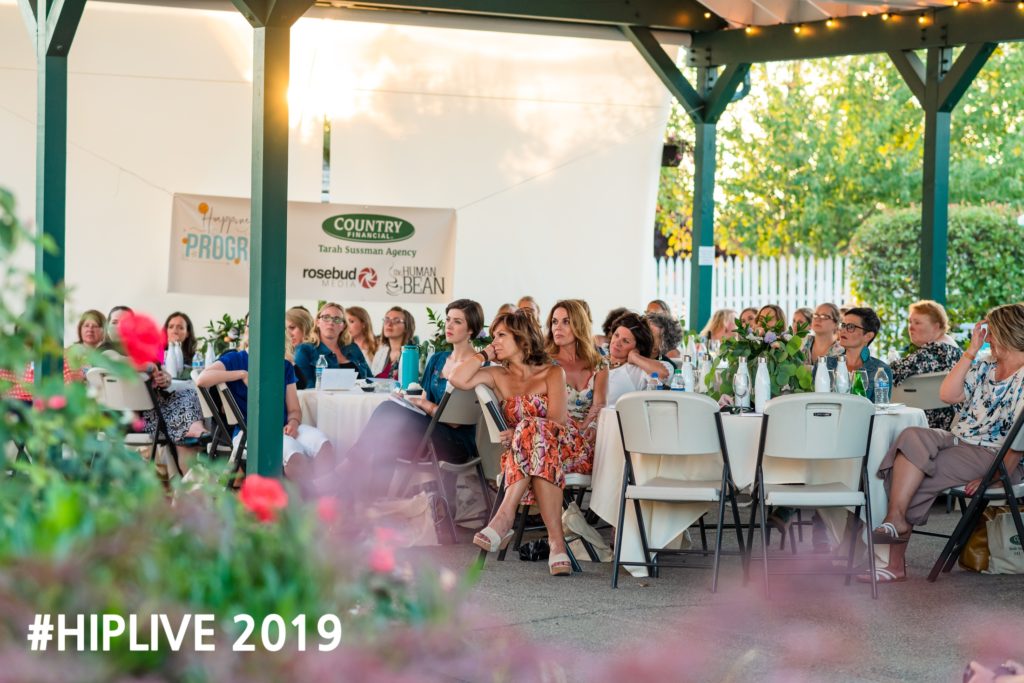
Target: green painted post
{"x": 269, "y": 229}
{"x": 935, "y": 205}
{"x": 703, "y": 224}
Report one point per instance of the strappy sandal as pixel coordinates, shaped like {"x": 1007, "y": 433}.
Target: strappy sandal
{"x": 488, "y": 539}
{"x": 559, "y": 565}
{"x": 886, "y": 534}
{"x": 883, "y": 575}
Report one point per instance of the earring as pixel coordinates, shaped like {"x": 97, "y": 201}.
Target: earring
{"x": 864, "y": 355}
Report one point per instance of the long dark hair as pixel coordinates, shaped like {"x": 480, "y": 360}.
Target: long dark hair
{"x": 641, "y": 330}
{"x": 189, "y": 346}
{"x": 525, "y": 330}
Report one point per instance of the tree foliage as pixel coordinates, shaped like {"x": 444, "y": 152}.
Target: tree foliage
{"x": 985, "y": 250}
{"x": 819, "y": 147}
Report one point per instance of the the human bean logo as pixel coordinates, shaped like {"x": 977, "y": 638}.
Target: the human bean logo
{"x": 221, "y": 238}
{"x": 1014, "y": 540}
{"x": 368, "y": 227}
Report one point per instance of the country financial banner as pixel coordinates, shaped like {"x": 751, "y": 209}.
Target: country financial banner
{"x": 335, "y": 251}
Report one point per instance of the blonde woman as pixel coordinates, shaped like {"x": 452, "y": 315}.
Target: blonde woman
{"x": 570, "y": 345}
{"x": 722, "y": 325}
{"x": 399, "y": 327}
{"x": 823, "y": 341}
{"x": 298, "y": 329}
{"x": 330, "y": 340}
{"x": 928, "y": 327}
{"x": 360, "y": 328}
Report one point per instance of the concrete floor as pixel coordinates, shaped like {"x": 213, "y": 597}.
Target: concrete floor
{"x": 812, "y": 628}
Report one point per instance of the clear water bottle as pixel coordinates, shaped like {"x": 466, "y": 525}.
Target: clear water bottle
{"x": 687, "y": 371}
{"x": 321, "y": 365}
{"x": 653, "y": 383}
{"x": 677, "y": 381}
{"x": 197, "y": 362}
{"x": 881, "y": 387}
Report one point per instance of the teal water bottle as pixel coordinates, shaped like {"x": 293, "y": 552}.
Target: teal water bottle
{"x": 409, "y": 365}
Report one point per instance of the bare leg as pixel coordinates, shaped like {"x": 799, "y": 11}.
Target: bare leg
{"x": 897, "y": 558}
{"x": 505, "y": 517}
{"x": 549, "y": 499}
{"x": 323, "y": 461}
{"x": 906, "y": 479}
{"x": 185, "y": 458}
{"x": 197, "y": 428}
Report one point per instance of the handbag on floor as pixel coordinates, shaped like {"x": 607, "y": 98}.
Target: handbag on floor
{"x": 1004, "y": 548}
{"x": 974, "y": 556}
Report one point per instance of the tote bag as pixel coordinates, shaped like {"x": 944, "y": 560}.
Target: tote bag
{"x": 1004, "y": 546}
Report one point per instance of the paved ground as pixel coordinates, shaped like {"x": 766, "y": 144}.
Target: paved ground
{"x": 813, "y": 628}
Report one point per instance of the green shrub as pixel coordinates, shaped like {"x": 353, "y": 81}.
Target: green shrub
{"x": 984, "y": 266}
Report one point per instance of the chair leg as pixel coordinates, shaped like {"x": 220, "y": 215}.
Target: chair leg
{"x": 618, "y": 543}
{"x": 750, "y": 540}
{"x": 517, "y": 542}
{"x": 718, "y": 539}
{"x": 851, "y": 533}
{"x": 653, "y": 567}
{"x": 764, "y": 540}
{"x": 485, "y": 488}
{"x": 739, "y": 530}
{"x": 482, "y": 555}
{"x": 799, "y": 527}
{"x": 867, "y": 528}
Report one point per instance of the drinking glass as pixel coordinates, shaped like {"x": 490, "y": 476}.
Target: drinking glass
{"x": 864, "y": 381}
{"x": 740, "y": 390}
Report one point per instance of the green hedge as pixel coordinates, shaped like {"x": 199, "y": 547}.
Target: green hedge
{"x": 985, "y": 265}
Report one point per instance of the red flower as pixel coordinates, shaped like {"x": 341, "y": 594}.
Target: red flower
{"x": 382, "y": 560}
{"x": 143, "y": 339}
{"x": 327, "y": 510}
{"x": 264, "y": 496}
{"x": 57, "y": 403}
{"x": 138, "y": 425}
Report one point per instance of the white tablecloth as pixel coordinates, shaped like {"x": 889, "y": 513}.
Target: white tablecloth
{"x": 341, "y": 415}
{"x": 665, "y": 523}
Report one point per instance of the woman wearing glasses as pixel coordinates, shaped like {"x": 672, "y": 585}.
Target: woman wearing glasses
{"x": 399, "y": 328}
{"x": 859, "y": 328}
{"x": 330, "y": 340}
{"x": 823, "y": 341}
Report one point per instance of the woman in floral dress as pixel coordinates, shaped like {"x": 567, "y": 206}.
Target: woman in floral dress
{"x": 539, "y": 438}
{"x": 936, "y": 352}
{"x": 586, "y": 376}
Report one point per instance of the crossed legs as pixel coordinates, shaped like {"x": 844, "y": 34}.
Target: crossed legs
{"x": 549, "y": 500}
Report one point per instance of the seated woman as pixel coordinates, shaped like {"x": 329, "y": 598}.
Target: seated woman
{"x": 658, "y": 306}
{"x": 111, "y": 341}
{"x": 539, "y": 438}
{"x": 668, "y": 333}
{"x": 394, "y": 431}
{"x": 748, "y": 316}
{"x": 232, "y": 368}
{"x": 721, "y": 326}
{"x": 768, "y": 317}
{"x": 586, "y": 375}
{"x": 602, "y": 340}
{"x": 360, "y": 328}
{"x": 529, "y": 304}
{"x": 298, "y": 330}
{"x": 928, "y": 328}
{"x": 399, "y": 327}
{"x": 824, "y": 337}
{"x": 629, "y": 357}
{"x": 801, "y": 316}
{"x": 859, "y": 328}
{"x": 178, "y": 328}
{"x": 330, "y": 340}
{"x": 91, "y": 335}
{"x": 925, "y": 461}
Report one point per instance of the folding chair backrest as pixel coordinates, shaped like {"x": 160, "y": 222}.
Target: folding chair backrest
{"x": 94, "y": 378}
{"x": 1018, "y": 442}
{"x": 232, "y": 414}
{"x": 487, "y": 398}
{"x": 921, "y": 391}
{"x": 209, "y": 411}
{"x": 462, "y": 408}
{"x": 668, "y": 423}
{"x": 130, "y": 394}
{"x": 818, "y": 426}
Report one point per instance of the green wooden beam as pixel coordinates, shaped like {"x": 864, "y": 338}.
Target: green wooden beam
{"x": 968, "y": 65}
{"x": 666, "y": 70}
{"x": 991, "y": 22}
{"x": 680, "y": 15}
{"x": 271, "y": 21}
{"x": 725, "y": 86}
{"x": 52, "y": 26}
{"x": 703, "y": 223}
{"x": 911, "y": 68}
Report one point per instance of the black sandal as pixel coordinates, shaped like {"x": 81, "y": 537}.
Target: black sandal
{"x": 200, "y": 441}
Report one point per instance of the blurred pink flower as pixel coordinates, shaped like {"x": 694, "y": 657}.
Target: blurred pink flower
{"x": 138, "y": 425}
{"x": 39, "y": 405}
{"x": 382, "y": 560}
{"x": 385, "y": 535}
{"x": 264, "y": 496}
{"x": 327, "y": 510}
{"x": 57, "y": 403}
{"x": 143, "y": 339}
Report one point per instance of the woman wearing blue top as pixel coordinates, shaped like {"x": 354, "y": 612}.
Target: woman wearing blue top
{"x": 395, "y": 431}
{"x": 924, "y": 461}
{"x": 859, "y": 328}
{"x": 330, "y": 340}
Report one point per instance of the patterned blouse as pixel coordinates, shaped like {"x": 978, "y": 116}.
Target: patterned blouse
{"x": 933, "y": 357}
{"x": 834, "y": 351}
{"x": 990, "y": 407}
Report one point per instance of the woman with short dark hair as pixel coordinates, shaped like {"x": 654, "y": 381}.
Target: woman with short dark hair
{"x": 859, "y": 328}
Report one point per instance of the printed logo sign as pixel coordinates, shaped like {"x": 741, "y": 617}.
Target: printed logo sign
{"x": 368, "y": 227}
{"x": 393, "y": 254}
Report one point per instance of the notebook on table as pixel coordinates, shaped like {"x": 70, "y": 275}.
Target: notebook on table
{"x": 337, "y": 379}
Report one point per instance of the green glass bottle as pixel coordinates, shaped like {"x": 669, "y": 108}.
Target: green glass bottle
{"x": 857, "y": 387}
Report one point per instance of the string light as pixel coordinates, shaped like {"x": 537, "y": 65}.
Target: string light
{"x": 798, "y": 28}
{"x": 1020, "y": 5}
{"x": 707, "y": 15}
{"x": 831, "y": 23}
{"x": 922, "y": 20}
{"x": 749, "y": 30}
{"x": 885, "y": 16}
{"x": 864, "y": 13}
{"x": 956, "y": 3}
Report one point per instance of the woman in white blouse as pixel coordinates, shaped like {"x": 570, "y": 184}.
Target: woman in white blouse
{"x": 924, "y": 462}
{"x": 629, "y": 357}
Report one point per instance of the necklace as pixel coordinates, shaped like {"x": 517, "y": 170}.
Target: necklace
{"x": 615, "y": 364}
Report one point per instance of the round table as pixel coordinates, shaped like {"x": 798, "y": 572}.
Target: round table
{"x": 666, "y": 522}
{"x": 341, "y": 415}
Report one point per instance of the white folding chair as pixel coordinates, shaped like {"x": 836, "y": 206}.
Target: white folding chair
{"x": 814, "y": 427}
{"x": 456, "y": 408}
{"x": 921, "y": 391}
{"x": 117, "y": 394}
{"x": 673, "y": 424}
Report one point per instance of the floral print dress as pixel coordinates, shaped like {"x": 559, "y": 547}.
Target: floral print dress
{"x": 990, "y": 407}
{"x": 933, "y": 357}
{"x": 539, "y": 448}
{"x": 581, "y": 460}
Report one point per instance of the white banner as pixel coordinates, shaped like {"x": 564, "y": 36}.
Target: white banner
{"x": 335, "y": 251}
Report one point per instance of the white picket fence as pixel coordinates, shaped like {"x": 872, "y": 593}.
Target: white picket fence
{"x": 738, "y": 282}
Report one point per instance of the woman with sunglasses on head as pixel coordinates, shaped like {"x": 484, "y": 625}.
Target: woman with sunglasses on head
{"x": 823, "y": 341}
{"x": 398, "y": 330}
{"x": 859, "y": 328}
{"x": 331, "y": 340}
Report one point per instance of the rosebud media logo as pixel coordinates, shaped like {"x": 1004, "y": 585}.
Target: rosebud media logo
{"x": 367, "y": 278}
